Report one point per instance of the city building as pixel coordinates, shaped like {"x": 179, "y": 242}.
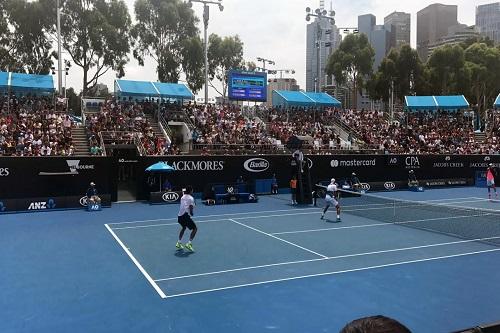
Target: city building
{"x": 327, "y": 35}
{"x": 456, "y": 34}
{"x": 378, "y": 36}
{"x": 488, "y": 21}
{"x": 399, "y": 24}
{"x": 380, "y": 39}
{"x": 433, "y": 23}
{"x": 280, "y": 84}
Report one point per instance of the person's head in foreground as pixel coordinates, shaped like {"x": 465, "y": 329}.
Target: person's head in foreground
{"x": 375, "y": 324}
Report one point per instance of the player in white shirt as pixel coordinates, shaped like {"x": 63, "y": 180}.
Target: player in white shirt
{"x": 330, "y": 200}
{"x": 185, "y": 220}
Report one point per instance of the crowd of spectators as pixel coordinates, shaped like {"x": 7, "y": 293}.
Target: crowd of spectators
{"x": 228, "y": 128}
{"x": 29, "y": 126}
{"x": 125, "y": 123}
{"x": 440, "y": 132}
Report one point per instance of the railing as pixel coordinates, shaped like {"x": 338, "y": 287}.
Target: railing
{"x": 348, "y": 129}
{"x": 122, "y": 139}
{"x": 180, "y": 116}
{"x": 238, "y": 149}
{"x": 164, "y": 124}
{"x": 101, "y": 143}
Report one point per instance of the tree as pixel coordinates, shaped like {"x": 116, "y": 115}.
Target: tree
{"x": 478, "y": 39}
{"x": 224, "y": 54}
{"x": 380, "y": 83}
{"x": 352, "y": 62}
{"x": 249, "y": 66}
{"x": 24, "y": 37}
{"x": 96, "y": 35}
{"x": 448, "y": 74}
{"x": 410, "y": 71}
{"x": 483, "y": 63}
{"x": 73, "y": 101}
{"x": 166, "y": 31}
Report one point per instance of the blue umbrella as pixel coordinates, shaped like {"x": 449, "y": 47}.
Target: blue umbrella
{"x": 160, "y": 167}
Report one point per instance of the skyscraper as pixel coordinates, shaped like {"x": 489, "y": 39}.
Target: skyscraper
{"x": 327, "y": 35}
{"x": 378, "y": 36}
{"x": 399, "y": 24}
{"x": 488, "y": 21}
{"x": 433, "y": 23}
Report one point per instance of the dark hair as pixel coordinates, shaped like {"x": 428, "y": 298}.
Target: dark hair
{"x": 188, "y": 189}
{"x": 375, "y": 324}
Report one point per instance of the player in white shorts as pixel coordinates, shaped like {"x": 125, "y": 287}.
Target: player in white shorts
{"x": 330, "y": 199}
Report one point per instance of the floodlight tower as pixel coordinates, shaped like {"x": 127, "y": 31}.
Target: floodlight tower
{"x": 322, "y": 15}
{"x": 206, "y": 16}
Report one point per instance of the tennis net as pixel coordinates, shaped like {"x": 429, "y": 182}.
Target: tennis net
{"x": 462, "y": 222}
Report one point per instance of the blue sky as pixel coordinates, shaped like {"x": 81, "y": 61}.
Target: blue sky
{"x": 276, "y": 29}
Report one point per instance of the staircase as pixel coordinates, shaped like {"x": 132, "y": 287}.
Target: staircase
{"x": 154, "y": 124}
{"x": 80, "y": 141}
{"x": 480, "y": 137}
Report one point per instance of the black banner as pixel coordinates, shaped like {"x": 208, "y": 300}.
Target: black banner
{"x": 50, "y": 177}
{"x": 44, "y": 178}
{"x": 48, "y": 203}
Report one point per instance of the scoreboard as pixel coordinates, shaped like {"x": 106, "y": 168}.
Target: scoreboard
{"x": 247, "y": 86}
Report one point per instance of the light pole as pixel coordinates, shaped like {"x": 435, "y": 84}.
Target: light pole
{"x": 59, "y": 53}
{"x": 320, "y": 14}
{"x": 264, "y": 61}
{"x": 206, "y": 16}
{"x": 281, "y": 71}
{"x": 59, "y": 73}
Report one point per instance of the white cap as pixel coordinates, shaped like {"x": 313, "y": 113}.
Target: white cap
{"x": 332, "y": 180}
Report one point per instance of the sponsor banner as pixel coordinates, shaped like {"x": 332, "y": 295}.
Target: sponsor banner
{"x": 165, "y": 197}
{"x": 47, "y": 204}
{"x": 353, "y": 162}
{"x": 447, "y": 182}
{"x": 4, "y": 172}
{"x": 256, "y": 165}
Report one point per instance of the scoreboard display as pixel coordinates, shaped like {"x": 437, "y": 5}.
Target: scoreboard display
{"x": 247, "y": 86}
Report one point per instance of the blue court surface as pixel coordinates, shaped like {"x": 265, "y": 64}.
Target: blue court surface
{"x": 266, "y": 267}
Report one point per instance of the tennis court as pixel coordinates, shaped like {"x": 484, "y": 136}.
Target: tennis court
{"x": 269, "y": 266}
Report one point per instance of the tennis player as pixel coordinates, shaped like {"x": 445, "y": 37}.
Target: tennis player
{"x": 490, "y": 180}
{"x": 330, "y": 200}
{"x": 185, "y": 220}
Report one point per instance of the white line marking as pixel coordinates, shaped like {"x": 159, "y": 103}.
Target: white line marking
{"x": 216, "y": 215}
{"x": 317, "y": 210}
{"x": 268, "y": 211}
{"x": 136, "y": 262}
{"x": 163, "y": 224}
{"x": 329, "y": 258}
{"x": 280, "y": 239}
{"x": 376, "y": 224}
{"x": 335, "y": 272}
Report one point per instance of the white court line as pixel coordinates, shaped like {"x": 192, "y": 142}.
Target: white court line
{"x": 317, "y": 210}
{"x": 137, "y": 263}
{"x": 329, "y": 258}
{"x": 216, "y": 215}
{"x": 264, "y": 211}
{"x": 375, "y": 225}
{"x": 280, "y": 239}
{"x": 334, "y": 272}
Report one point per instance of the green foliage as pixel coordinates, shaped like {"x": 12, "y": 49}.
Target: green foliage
{"x": 24, "y": 39}
{"x": 96, "y": 35}
{"x": 224, "y": 54}
{"x": 483, "y": 65}
{"x": 166, "y": 31}
{"x": 448, "y": 74}
{"x": 352, "y": 62}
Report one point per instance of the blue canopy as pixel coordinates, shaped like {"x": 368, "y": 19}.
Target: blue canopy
{"x": 291, "y": 98}
{"x": 298, "y": 98}
{"x": 31, "y": 82}
{"x": 323, "y": 99}
{"x": 135, "y": 88}
{"x": 421, "y": 102}
{"x": 452, "y": 102}
{"x": 173, "y": 90}
{"x": 4, "y": 80}
{"x": 457, "y": 102}
{"x": 130, "y": 88}
{"x": 497, "y": 102}
{"x": 160, "y": 167}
